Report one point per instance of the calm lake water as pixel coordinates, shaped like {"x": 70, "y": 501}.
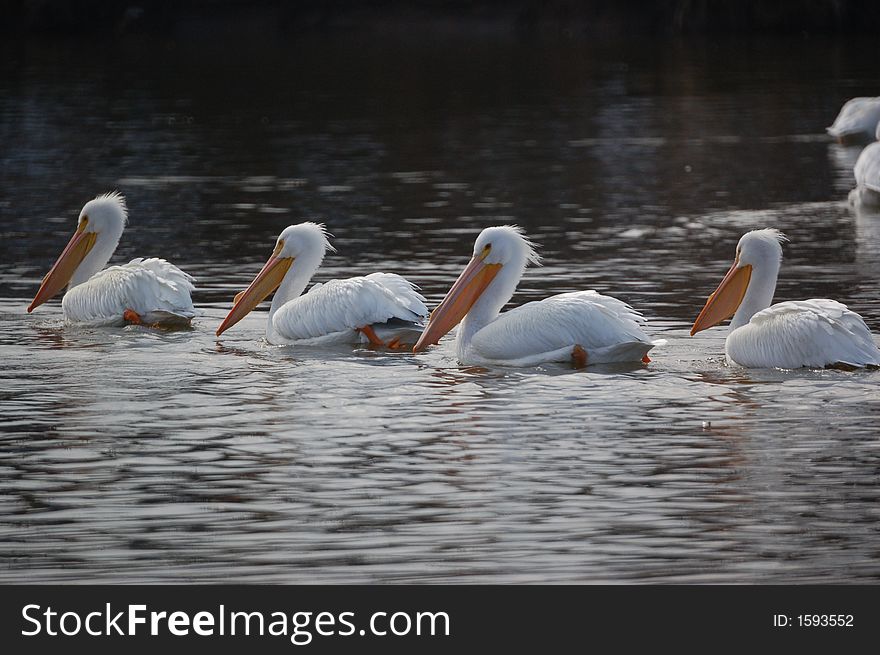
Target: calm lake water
{"x": 128, "y": 455}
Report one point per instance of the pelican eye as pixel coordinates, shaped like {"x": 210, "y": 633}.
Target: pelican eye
{"x": 83, "y": 223}
{"x": 486, "y": 250}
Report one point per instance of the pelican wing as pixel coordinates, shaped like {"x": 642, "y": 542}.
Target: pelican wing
{"x": 808, "y": 333}
{"x": 856, "y": 116}
{"x": 349, "y": 304}
{"x": 607, "y": 328}
{"x": 867, "y": 168}
{"x": 146, "y": 286}
{"x": 405, "y": 293}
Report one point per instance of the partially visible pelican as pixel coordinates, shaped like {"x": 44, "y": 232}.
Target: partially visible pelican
{"x": 144, "y": 291}
{"x": 383, "y": 309}
{"x": 808, "y": 333}
{"x": 582, "y": 327}
{"x": 867, "y": 172}
{"x": 857, "y": 121}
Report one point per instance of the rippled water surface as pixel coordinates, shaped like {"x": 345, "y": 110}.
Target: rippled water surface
{"x": 128, "y": 455}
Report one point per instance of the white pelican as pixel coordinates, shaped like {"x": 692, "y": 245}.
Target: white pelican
{"x": 867, "y": 172}
{"x": 583, "y": 327}
{"x": 383, "y": 309}
{"x": 857, "y": 121}
{"x": 144, "y": 291}
{"x": 813, "y": 333}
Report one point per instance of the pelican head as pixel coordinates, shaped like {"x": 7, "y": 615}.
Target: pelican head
{"x": 304, "y": 244}
{"x": 758, "y": 256}
{"x": 501, "y": 252}
{"x": 99, "y": 227}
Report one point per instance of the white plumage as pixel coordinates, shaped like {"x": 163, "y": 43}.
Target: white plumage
{"x": 583, "y": 327}
{"x": 339, "y": 308}
{"x": 806, "y": 333}
{"x": 608, "y": 329}
{"x": 858, "y": 120}
{"x": 145, "y": 291}
{"x": 812, "y": 333}
{"x": 380, "y": 308}
{"x": 867, "y": 174}
{"x": 157, "y": 291}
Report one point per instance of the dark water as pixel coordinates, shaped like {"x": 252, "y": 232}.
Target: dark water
{"x": 132, "y": 456}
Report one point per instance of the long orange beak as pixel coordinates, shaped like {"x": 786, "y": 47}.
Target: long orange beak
{"x": 80, "y": 244}
{"x": 723, "y": 303}
{"x": 267, "y": 280}
{"x": 461, "y": 297}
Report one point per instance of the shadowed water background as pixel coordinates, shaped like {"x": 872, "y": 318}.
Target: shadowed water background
{"x": 128, "y": 455}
